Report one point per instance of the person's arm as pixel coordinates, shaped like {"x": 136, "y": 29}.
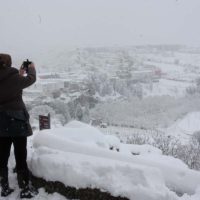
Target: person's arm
{"x": 26, "y": 81}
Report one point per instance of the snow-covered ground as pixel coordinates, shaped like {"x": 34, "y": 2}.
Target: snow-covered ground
{"x": 82, "y": 158}
{"x": 81, "y": 155}
{"x": 185, "y": 127}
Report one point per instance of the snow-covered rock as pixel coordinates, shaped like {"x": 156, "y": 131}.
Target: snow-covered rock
{"x": 120, "y": 178}
{"x": 81, "y": 158}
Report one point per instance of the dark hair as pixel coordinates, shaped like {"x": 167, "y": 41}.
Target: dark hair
{"x": 5, "y": 60}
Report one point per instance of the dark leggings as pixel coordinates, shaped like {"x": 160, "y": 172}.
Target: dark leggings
{"x": 20, "y": 151}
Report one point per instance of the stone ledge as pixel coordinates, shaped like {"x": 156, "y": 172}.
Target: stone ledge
{"x": 72, "y": 192}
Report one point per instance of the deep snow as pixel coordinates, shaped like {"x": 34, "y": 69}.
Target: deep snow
{"x": 82, "y": 156}
{"x": 79, "y": 155}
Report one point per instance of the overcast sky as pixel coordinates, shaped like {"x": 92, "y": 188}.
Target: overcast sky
{"x": 42, "y": 23}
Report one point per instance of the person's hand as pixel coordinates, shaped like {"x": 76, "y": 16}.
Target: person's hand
{"x": 22, "y": 71}
{"x": 31, "y": 65}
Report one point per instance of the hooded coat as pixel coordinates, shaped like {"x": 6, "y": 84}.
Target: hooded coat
{"x": 14, "y": 118}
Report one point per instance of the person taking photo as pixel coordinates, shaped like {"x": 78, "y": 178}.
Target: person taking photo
{"x": 14, "y": 123}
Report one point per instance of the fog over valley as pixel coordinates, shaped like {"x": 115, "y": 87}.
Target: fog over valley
{"x": 29, "y": 26}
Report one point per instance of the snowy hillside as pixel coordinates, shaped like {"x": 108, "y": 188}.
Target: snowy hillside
{"x": 186, "y": 126}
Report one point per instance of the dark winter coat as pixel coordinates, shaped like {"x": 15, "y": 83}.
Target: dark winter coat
{"x": 14, "y": 118}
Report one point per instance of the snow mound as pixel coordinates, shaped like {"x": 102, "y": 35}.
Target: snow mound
{"x": 82, "y": 158}
{"x": 77, "y": 124}
{"x": 113, "y": 142}
{"x": 79, "y": 132}
{"x": 117, "y": 177}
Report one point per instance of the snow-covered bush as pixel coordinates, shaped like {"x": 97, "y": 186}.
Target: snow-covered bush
{"x": 138, "y": 139}
{"x": 191, "y": 90}
{"x": 41, "y": 110}
{"x": 194, "y": 90}
{"x": 189, "y": 153}
{"x": 166, "y": 143}
{"x": 100, "y": 83}
{"x": 61, "y": 108}
{"x": 196, "y": 135}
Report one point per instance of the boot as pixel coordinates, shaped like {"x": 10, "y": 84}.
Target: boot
{"x": 5, "y": 189}
{"x": 26, "y": 192}
{"x": 23, "y": 181}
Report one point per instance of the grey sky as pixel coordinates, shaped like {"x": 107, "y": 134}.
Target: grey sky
{"x": 42, "y": 23}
